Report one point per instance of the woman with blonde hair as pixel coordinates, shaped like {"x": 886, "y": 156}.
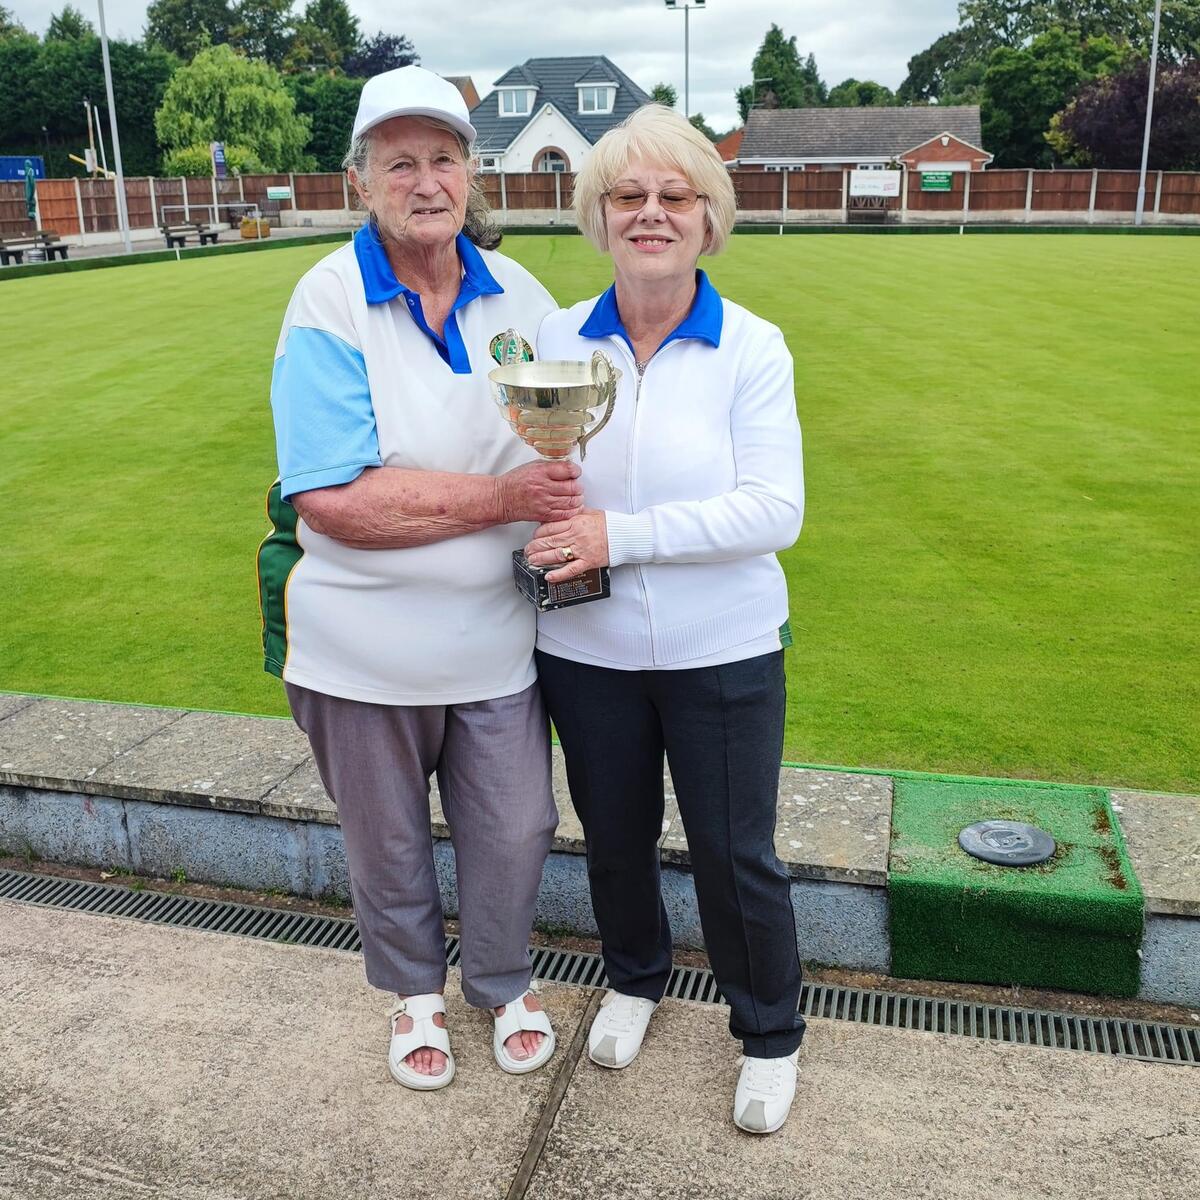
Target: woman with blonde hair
{"x": 694, "y": 485}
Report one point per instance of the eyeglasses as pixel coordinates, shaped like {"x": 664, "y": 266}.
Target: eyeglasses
{"x": 440, "y": 164}
{"x": 673, "y": 199}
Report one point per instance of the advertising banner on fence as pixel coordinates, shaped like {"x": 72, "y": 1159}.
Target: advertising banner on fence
{"x": 217, "y": 150}
{"x": 875, "y": 183}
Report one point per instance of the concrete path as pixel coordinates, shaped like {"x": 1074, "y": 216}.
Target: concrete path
{"x": 140, "y": 1061}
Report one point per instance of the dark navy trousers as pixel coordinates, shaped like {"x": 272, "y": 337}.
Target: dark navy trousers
{"x": 721, "y": 729}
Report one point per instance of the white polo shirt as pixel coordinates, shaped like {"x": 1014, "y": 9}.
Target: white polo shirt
{"x": 700, "y": 479}
{"x": 361, "y": 381}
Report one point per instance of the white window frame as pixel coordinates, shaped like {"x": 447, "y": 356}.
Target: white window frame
{"x": 517, "y": 95}
{"x": 489, "y": 164}
{"x": 603, "y": 104}
{"x": 558, "y": 167}
{"x": 871, "y": 166}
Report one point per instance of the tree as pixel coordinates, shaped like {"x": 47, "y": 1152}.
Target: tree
{"x": 69, "y": 26}
{"x": 383, "y": 52}
{"x": 325, "y": 37}
{"x": 186, "y": 26}
{"x": 42, "y": 84}
{"x": 781, "y": 78}
{"x": 263, "y": 29}
{"x": 698, "y": 122}
{"x": 860, "y": 93}
{"x": 329, "y": 102}
{"x": 9, "y": 25}
{"x": 950, "y": 71}
{"x": 1017, "y": 22}
{"x": 1103, "y": 126}
{"x": 221, "y": 96}
{"x": 664, "y": 93}
{"x": 1022, "y": 90}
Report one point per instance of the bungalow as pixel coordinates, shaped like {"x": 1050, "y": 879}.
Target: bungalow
{"x": 547, "y": 113}
{"x": 835, "y": 139}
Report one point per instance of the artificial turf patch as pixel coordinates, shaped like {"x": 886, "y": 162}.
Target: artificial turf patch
{"x": 1073, "y": 922}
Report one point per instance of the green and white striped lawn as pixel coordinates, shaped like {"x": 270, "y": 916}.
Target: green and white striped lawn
{"x": 999, "y": 569}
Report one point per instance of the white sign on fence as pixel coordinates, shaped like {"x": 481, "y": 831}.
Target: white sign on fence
{"x": 875, "y": 183}
{"x": 285, "y": 193}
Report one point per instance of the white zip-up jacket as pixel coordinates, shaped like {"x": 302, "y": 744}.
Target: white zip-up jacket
{"x": 700, "y": 477}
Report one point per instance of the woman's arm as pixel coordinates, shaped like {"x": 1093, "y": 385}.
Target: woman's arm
{"x": 392, "y": 508}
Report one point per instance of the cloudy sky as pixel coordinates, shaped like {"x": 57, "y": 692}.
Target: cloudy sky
{"x": 866, "y": 39}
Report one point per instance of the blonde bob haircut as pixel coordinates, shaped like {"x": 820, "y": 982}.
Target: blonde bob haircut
{"x": 655, "y": 134}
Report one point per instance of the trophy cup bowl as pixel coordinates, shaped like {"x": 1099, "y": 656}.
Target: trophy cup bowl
{"x": 554, "y": 406}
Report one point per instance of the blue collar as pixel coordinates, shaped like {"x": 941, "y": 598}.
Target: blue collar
{"x": 703, "y": 320}
{"x": 381, "y": 285}
{"x": 380, "y": 282}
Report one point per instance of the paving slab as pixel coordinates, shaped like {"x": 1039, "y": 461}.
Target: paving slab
{"x": 67, "y": 740}
{"x": 1162, "y": 834}
{"x": 209, "y": 758}
{"x": 14, "y": 704}
{"x": 301, "y": 796}
{"x": 878, "y": 1113}
{"x": 830, "y": 825}
{"x": 139, "y": 1062}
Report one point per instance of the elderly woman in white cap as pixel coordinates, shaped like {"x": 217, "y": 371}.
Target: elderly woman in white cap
{"x": 388, "y": 603}
{"x": 694, "y": 485}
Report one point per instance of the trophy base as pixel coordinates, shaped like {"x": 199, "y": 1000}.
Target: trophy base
{"x": 546, "y": 597}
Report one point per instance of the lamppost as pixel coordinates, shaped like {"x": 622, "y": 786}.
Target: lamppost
{"x": 122, "y": 213}
{"x": 675, "y": 6}
{"x": 1141, "y": 196}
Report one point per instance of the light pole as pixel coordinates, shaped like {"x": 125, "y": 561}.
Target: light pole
{"x": 122, "y": 213}
{"x": 675, "y": 6}
{"x": 1141, "y": 196}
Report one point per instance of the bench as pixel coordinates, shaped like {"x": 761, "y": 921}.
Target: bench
{"x": 45, "y": 240}
{"x": 179, "y": 232}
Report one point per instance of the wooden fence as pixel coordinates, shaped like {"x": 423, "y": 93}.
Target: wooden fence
{"x": 74, "y": 206}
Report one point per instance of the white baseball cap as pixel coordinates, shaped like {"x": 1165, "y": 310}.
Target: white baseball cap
{"x": 412, "y": 92}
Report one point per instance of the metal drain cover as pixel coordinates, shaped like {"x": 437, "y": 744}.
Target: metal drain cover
{"x": 1007, "y": 843}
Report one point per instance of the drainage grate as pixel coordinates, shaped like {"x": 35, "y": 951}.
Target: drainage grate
{"x": 1113, "y": 1036}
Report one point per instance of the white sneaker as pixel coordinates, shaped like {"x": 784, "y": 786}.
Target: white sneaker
{"x": 764, "y": 1093}
{"x": 617, "y": 1032}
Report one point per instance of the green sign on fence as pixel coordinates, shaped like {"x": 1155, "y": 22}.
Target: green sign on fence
{"x": 936, "y": 181}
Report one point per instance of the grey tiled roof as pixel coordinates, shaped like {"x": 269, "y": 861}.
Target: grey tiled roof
{"x": 555, "y": 80}
{"x": 848, "y": 133}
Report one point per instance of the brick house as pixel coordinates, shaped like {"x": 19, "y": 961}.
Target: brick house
{"x": 547, "y": 113}
{"x": 835, "y": 139}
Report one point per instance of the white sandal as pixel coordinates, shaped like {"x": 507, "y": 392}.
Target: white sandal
{"x": 515, "y": 1019}
{"x": 424, "y": 1034}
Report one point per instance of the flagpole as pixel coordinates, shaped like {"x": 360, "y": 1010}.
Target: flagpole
{"x": 122, "y": 212}
{"x": 1141, "y": 196}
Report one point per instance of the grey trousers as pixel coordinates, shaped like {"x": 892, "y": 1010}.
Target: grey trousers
{"x": 492, "y": 760}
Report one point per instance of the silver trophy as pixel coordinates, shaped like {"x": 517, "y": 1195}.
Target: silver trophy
{"x": 554, "y": 406}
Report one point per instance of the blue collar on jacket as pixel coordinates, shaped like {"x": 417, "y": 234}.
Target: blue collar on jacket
{"x": 381, "y": 285}
{"x": 703, "y": 320}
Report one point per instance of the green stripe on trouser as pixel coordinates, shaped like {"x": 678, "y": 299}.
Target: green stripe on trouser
{"x": 1073, "y": 922}
{"x": 277, "y": 558}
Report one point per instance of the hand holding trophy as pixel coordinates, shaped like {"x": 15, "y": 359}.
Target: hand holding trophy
{"x": 554, "y": 406}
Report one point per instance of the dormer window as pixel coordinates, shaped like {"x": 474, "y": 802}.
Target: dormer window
{"x": 516, "y": 102}
{"x": 597, "y": 98}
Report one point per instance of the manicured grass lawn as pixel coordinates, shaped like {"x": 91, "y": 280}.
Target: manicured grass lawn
{"x": 998, "y": 572}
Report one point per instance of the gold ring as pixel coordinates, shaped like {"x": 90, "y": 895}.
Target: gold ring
{"x": 567, "y": 552}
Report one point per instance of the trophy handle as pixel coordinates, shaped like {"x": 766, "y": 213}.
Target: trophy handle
{"x": 510, "y": 348}
{"x": 605, "y": 379}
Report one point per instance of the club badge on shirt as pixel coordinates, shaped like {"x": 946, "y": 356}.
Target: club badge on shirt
{"x": 515, "y": 346}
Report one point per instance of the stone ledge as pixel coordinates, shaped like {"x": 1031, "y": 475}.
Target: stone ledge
{"x": 832, "y": 826}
